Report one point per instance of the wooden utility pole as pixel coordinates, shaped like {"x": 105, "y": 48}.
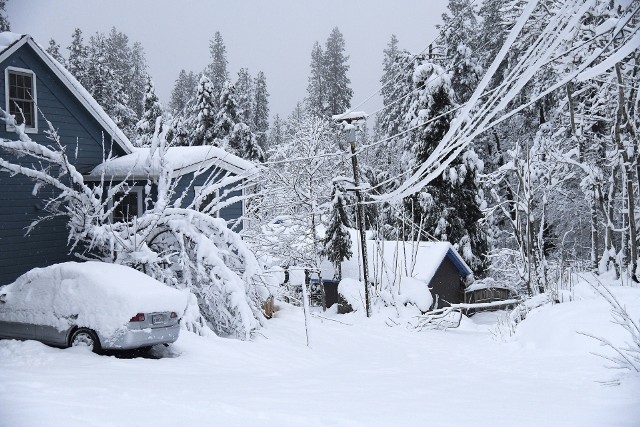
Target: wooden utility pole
{"x": 351, "y": 136}
{"x": 360, "y": 213}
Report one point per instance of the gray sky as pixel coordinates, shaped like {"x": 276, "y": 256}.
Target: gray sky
{"x": 274, "y": 36}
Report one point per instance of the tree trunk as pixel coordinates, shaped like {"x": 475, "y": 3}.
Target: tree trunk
{"x": 572, "y": 120}
{"x": 594, "y": 233}
{"x": 622, "y": 119}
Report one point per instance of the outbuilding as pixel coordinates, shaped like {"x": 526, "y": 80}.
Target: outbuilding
{"x": 436, "y": 264}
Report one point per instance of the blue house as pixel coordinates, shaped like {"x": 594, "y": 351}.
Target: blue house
{"x": 37, "y": 85}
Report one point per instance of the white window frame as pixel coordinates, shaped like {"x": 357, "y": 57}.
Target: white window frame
{"x": 139, "y": 190}
{"x": 34, "y": 95}
{"x": 197, "y": 189}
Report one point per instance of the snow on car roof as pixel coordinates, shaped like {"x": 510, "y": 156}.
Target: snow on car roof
{"x": 181, "y": 160}
{"x": 103, "y": 296}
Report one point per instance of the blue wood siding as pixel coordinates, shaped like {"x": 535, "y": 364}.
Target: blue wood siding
{"x": 232, "y": 213}
{"x": 47, "y": 244}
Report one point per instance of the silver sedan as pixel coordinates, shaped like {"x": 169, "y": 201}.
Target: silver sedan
{"x": 37, "y": 307}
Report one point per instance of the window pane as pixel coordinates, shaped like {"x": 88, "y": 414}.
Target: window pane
{"x": 128, "y": 207}
{"x": 21, "y": 98}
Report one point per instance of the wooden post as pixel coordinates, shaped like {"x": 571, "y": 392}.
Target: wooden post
{"x": 360, "y": 218}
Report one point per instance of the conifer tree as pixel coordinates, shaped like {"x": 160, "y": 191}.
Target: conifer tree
{"x": 230, "y": 132}
{"x": 137, "y": 77}
{"x": 101, "y": 80}
{"x": 337, "y": 241}
{"x": 457, "y": 35}
{"x": 152, "y": 111}
{"x": 78, "y": 57}
{"x": 276, "y": 134}
{"x": 4, "y": 19}
{"x": 217, "y": 69}
{"x": 316, "y": 90}
{"x": 54, "y": 50}
{"x": 205, "y": 118}
{"x": 338, "y": 90}
{"x": 244, "y": 95}
{"x": 261, "y": 110}
{"x": 227, "y": 115}
{"x": 449, "y": 207}
{"x": 184, "y": 91}
{"x": 389, "y": 73}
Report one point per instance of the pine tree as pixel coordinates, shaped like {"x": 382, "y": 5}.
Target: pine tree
{"x": 152, "y": 111}
{"x": 205, "y": 118}
{"x": 227, "y": 115}
{"x": 184, "y": 91}
{"x": 337, "y": 241}
{"x": 78, "y": 58}
{"x": 217, "y": 69}
{"x": 338, "y": 90}
{"x": 54, "y": 50}
{"x": 261, "y": 110}
{"x": 4, "y": 19}
{"x": 457, "y": 37}
{"x": 137, "y": 78}
{"x": 230, "y": 132}
{"x": 449, "y": 207}
{"x": 389, "y": 73}
{"x": 101, "y": 81}
{"x": 276, "y": 134}
{"x": 316, "y": 100}
{"x": 244, "y": 95}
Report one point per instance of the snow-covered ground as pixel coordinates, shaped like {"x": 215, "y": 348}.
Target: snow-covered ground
{"x": 358, "y": 373}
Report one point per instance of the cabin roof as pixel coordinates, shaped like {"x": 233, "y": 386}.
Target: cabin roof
{"x": 181, "y": 160}
{"x": 419, "y": 260}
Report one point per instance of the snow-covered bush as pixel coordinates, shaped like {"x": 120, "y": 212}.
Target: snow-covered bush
{"x": 170, "y": 241}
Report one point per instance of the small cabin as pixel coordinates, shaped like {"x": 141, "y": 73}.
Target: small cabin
{"x": 443, "y": 271}
{"x": 487, "y": 291}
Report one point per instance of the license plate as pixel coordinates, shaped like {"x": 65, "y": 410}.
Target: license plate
{"x": 157, "y": 318}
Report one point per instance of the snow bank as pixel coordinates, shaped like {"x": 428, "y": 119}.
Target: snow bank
{"x": 102, "y": 296}
{"x": 353, "y": 292}
{"x": 416, "y": 292}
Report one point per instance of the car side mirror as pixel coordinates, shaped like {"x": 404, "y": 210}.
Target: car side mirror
{"x": 3, "y": 298}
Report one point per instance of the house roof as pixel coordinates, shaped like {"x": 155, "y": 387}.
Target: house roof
{"x": 181, "y": 160}
{"x": 11, "y": 42}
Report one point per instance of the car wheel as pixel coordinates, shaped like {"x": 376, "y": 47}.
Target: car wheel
{"x": 83, "y": 337}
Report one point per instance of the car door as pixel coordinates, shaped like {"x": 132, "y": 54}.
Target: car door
{"x": 8, "y": 327}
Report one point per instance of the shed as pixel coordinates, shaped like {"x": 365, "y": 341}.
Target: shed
{"x": 437, "y": 264}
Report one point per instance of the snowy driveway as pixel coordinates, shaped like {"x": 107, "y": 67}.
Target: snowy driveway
{"x": 361, "y": 374}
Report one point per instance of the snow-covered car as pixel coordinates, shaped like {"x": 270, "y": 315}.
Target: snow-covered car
{"x": 94, "y": 304}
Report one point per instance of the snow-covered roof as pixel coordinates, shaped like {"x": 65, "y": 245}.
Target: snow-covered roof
{"x": 181, "y": 160}
{"x": 10, "y": 42}
{"x": 489, "y": 283}
{"x": 393, "y": 260}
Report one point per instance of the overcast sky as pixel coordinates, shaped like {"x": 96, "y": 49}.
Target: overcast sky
{"x": 273, "y": 36}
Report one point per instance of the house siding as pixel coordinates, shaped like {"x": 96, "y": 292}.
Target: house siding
{"x": 80, "y": 133}
{"x": 232, "y": 213}
{"x": 446, "y": 284}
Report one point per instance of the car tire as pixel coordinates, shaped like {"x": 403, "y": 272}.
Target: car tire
{"x": 85, "y": 337}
